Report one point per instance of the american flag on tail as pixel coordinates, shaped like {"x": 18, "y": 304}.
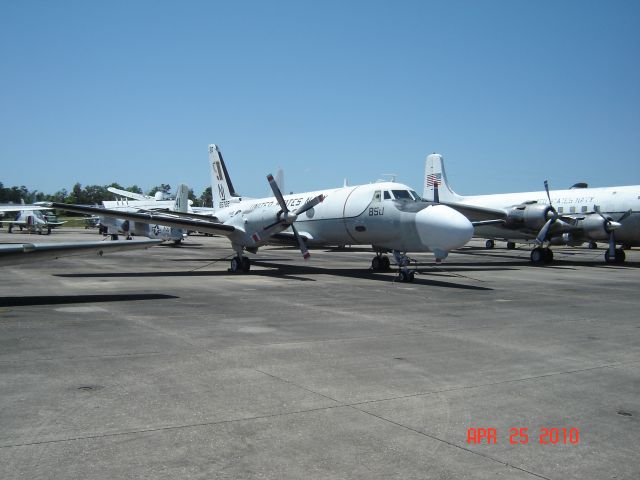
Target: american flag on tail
{"x": 434, "y": 178}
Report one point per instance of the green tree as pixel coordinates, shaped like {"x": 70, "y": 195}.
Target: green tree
{"x": 206, "y": 199}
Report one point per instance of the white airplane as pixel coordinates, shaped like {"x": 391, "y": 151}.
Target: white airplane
{"x": 117, "y": 225}
{"x": 557, "y": 217}
{"x": 389, "y": 216}
{"x": 30, "y": 217}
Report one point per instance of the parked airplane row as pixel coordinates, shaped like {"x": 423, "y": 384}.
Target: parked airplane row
{"x": 389, "y": 216}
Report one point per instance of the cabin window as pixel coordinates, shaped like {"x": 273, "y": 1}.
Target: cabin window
{"x": 387, "y": 195}
{"x": 584, "y": 209}
{"x": 376, "y": 196}
{"x": 560, "y": 209}
{"x": 402, "y": 194}
{"x": 572, "y": 209}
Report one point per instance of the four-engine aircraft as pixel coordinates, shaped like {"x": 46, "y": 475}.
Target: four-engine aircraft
{"x": 556, "y": 217}
{"x": 389, "y": 216}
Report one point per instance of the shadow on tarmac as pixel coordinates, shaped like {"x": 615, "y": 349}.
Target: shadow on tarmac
{"x": 278, "y": 270}
{"x": 67, "y": 299}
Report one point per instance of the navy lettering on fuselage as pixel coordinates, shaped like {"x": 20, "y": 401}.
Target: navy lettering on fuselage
{"x": 376, "y": 211}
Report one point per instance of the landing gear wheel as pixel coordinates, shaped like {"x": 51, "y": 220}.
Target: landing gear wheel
{"x": 375, "y": 264}
{"x": 412, "y": 277}
{"x": 592, "y": 245}
{"x": 489, "y": 244}
{"x": 235, "y": 265}
{"x": 548, "y": 255}
{"x": 386, "y": 264}
{"x": 537, "y": 256}
{"x": 619, "y": 256}
{"x": 511, "y": 245}
{"x": 246, "y": 265}
{"x": 403, "y": 276}
{"x": 114, "y": 236}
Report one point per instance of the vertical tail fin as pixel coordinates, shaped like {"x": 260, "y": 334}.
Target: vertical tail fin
{"x": 435, "y": 181}
{"x": 221, "y": 187}
{"x": 182, "y": 199}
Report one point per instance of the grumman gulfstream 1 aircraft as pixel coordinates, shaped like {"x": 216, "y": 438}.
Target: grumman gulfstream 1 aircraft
{"x": 557, "y": 217}
{"x": 389, "y": 216}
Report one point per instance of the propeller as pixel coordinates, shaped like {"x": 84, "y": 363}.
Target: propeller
{"x": 544, "y": 231}
{"x": 610, "y": 226}
{"x": 286, "y": 218}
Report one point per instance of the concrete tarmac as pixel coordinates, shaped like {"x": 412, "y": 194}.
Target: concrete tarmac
{"x": 160, "y": 364}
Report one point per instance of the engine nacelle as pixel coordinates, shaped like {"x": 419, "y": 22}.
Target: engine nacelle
{"x": 595, "y": 227}
{"x": 531, "y": 216}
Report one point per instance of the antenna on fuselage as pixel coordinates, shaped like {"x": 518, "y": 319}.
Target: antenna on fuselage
{"x": 392, "y": 177}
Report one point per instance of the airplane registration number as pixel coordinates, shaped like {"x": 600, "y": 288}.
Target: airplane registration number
{"x": 375, "y": 211}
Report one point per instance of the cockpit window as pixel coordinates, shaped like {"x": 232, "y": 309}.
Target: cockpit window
{"x": 376, "y": 196}
{"x": 402, "y": 194}
{"x": 387, "y": 195}
{"x": 416, "y": 197}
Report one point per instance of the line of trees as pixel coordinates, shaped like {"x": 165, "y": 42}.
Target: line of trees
{"x": 89, "y": 195}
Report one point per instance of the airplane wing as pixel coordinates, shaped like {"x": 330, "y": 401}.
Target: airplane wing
{"x": 480, "y": 215}
{"x": 19, "y": 253}
{"x": 21, "y": 208}
{"x": 168, "y": 219}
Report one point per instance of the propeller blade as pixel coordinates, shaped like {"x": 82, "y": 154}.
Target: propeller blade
{"x": 303, "y": 246}
{"x": 277, "y": 193}
{"x": 309, "y": 205}
{"x": 625, "y": 215}
{"x": 544, "y": 231}
{"x": 546, "y": 189}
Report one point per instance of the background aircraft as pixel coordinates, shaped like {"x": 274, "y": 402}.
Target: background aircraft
{"x": 389, "y": 216}
{"x": 118, "y": 225}
{"x": 29, "y": 217}
{"x": 558, "y": 217}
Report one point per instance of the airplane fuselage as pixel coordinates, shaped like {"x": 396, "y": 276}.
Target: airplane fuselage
{"x": 361, "y": 215}
{"x": 611, "y": 201}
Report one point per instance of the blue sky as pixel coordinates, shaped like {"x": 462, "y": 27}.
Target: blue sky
{"x": 510, "y": 92}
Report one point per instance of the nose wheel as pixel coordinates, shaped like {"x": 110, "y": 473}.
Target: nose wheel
{"x": 404, "y": 274}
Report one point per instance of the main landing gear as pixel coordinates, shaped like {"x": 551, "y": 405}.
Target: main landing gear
{"x": 540, "y": 255}
{"x": 240, "y": 265}
{"x": 619, "y": 256}
{"x": 380, "y": 263}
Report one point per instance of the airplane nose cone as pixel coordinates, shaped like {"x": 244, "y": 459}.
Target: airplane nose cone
{"x": 442, "y": 229}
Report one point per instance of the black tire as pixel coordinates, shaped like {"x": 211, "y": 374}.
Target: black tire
{"x": 620, "y": 255}
{"x": 246, "y": 265}
{"x": 592, "y": 246}
{"x": 375, "y": 264}
{"x": 411, "y": 277}
{"x": 489, "y": 244}
{"x": 511, "y": 245}
{"x": 386, "y": 264}
{"x": 403, "y": 276}
{"x": 548, "y": 255}
{"x": 537, "y": 256}
{"x": 235, "y": 265}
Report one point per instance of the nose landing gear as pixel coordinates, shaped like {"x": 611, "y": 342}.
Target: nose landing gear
{"x": 404, "y": 274}
{"x": 541, "y": 255}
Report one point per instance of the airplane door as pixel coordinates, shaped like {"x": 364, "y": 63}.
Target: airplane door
{"x": 355, "y": 207}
